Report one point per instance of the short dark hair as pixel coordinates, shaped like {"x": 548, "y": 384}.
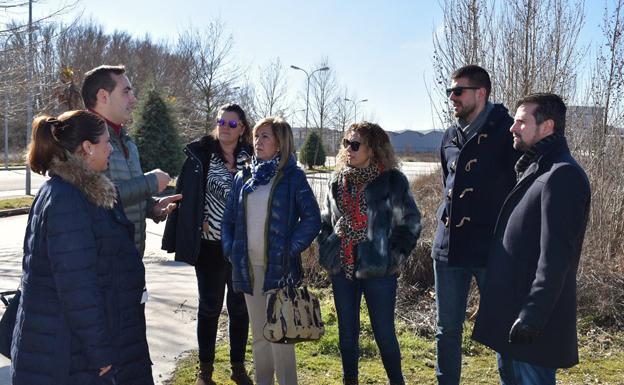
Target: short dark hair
{"x": 548, "y": 106}
{"x": 99, "y": 78}
{"x": 477, "y": 76}
{"x": 55, "y": 137}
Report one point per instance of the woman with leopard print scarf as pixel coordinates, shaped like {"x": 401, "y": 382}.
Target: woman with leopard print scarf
{"x": 369, "y": 227}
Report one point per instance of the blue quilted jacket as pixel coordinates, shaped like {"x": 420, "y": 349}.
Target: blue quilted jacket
{"x": 82, "y": 282}
{"x": 293, "y": 222}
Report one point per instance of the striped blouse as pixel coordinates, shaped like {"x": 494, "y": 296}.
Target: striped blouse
{"x": 218, "y": 184}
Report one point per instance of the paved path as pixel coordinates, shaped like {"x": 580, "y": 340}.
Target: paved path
{"x": 170, "y": 311}
{"x": 13, "y": 182}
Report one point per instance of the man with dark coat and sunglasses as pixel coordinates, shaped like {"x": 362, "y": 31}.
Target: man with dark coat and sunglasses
{"x": 477, "y": 159}
{"x": 528, "y": 306}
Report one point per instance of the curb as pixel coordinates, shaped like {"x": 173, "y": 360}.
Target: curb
{"x": 11, "y": 212}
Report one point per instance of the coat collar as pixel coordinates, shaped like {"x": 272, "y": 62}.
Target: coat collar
{"x": 97, "y": 188}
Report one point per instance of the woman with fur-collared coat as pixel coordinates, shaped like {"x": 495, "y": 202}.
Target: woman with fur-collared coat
{"x": 80, "y": 319}
{"x": 370, "y": 225}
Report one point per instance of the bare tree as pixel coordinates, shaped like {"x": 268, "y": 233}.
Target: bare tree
{"x": 526, "y": 45}
{"x": 323, "y": 89}
{"x": 597, "y": 138}
{"x": 212, "y": 70}
{"x": 271, "y": 91}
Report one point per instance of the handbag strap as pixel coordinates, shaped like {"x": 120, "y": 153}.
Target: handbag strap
{"x": 287, "y": 279}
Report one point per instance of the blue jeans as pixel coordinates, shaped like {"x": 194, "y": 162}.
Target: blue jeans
{"x": 380, "y": 295}
{"x": 452, "y": 285}
{"x": 513, "y": 372}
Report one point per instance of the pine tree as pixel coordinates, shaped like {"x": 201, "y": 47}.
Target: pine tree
{"x": 313, "y": 151}
{"x": 155, "y": 133}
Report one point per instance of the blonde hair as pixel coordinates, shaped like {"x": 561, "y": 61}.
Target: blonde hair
{"x": 283, "y": 133}
{"x": 374, "y": 137}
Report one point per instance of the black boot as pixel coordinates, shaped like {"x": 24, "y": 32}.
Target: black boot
{"x": 350, "y": 381}
{"x": 204, "y": 375}
{"x": 239, "y": 374}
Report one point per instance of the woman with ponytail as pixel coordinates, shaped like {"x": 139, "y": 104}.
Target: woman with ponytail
{"x": 80, "y": 319}
{"x": 370, "y": 224}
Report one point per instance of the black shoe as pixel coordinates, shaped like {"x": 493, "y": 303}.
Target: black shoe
{"x": 239, "y": 374}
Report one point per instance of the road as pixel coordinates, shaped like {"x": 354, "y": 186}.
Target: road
{"x": 170, "y": 311}
{"x": 13, "y": 182}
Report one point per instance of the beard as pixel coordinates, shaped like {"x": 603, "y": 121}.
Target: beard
{"x": 464, "y": 111}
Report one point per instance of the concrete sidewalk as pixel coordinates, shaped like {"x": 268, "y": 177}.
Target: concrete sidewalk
{"x": 170, "y": 311}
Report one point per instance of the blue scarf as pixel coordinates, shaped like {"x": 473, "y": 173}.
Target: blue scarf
{"x": 262, "y": 171}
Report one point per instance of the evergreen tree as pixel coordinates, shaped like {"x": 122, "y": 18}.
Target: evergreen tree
{"x": 313, "y": 151}
{"x": 155, "y": 133}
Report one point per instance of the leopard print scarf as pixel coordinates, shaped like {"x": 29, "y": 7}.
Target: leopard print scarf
{"x": 352, "y": 227}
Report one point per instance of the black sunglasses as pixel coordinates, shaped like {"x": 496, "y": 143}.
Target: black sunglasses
{"x": 457, "y": 91}
{"x": 354, "y": 145}
{"x": 231, "y": 123}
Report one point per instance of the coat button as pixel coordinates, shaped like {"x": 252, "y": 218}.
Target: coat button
{"x": 481, "y": 136}
{"x": 469, "y": 164}
{"x": 449, "y": 195}
{"x": 463, "y": 221}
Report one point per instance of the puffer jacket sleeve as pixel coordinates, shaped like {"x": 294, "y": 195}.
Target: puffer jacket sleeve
{"x": 405, "y": 233}
{"x": 137, "y": 189}
{"x": 309, "y": 223}
{"x": 72, "y": 251}
{"x": 228, "y": 221}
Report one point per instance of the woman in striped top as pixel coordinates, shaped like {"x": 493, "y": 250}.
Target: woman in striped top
{"x": 194, "y": 233}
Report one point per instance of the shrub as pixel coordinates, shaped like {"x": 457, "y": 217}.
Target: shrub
{"x": 313, "y": 152}
{"x": 156, "y": 136}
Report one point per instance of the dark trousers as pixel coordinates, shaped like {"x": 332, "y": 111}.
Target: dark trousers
{"x": 213, "y": 274}
{"x": 380, "y": 295}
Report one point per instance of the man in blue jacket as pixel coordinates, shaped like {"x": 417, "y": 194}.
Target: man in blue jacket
{"x": 477, "y": 160}
{"x": 528, "y": 307}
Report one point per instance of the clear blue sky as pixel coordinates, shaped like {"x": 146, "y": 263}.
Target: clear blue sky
{"x": 381, "y": 50}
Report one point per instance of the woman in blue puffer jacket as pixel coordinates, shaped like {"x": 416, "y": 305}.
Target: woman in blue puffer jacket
{"x": 80, "y": 320}
{"x": 270, "y": 218}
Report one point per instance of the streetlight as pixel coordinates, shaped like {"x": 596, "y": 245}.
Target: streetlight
{"x": 308, "y": 90}
{"x": 355, "y": 106}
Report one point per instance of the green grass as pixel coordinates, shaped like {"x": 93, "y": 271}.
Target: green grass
{"x": 318, "y": 363}
{"x": 14, "y": 203}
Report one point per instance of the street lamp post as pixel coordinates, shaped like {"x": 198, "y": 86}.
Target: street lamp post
{"x": 355, "y": 106}
{"x": 308, "y": 90}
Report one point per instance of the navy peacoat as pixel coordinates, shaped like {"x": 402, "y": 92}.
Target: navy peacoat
{"x": 533, "y": 262}
{"x": 476, "y": 178}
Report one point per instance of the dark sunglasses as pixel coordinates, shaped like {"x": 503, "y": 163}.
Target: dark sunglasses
{"x": 353, "y": 144}
{"x": 457, "y": 91}
{"x": 231, "y": 123}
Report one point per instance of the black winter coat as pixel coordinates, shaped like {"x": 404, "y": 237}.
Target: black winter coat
{"x": 183, "y": 229}
{"x": 532, "y": 267}
{"x": 393, "y": 227}
{"x": 82, "y": 282}
{"x": 476, "y": 178}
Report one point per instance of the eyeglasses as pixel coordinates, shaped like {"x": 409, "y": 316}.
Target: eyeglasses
{"x": 231, "y": 123}
{"x": 457, "y": 91}
{"x": 352, "y": 143}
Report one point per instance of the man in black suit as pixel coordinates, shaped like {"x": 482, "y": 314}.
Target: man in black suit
{"x": 528, "y": 306}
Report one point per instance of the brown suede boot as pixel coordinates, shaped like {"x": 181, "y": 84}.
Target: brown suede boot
{"x": 204, "y": 375}
{"x": 239, "y": 374}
